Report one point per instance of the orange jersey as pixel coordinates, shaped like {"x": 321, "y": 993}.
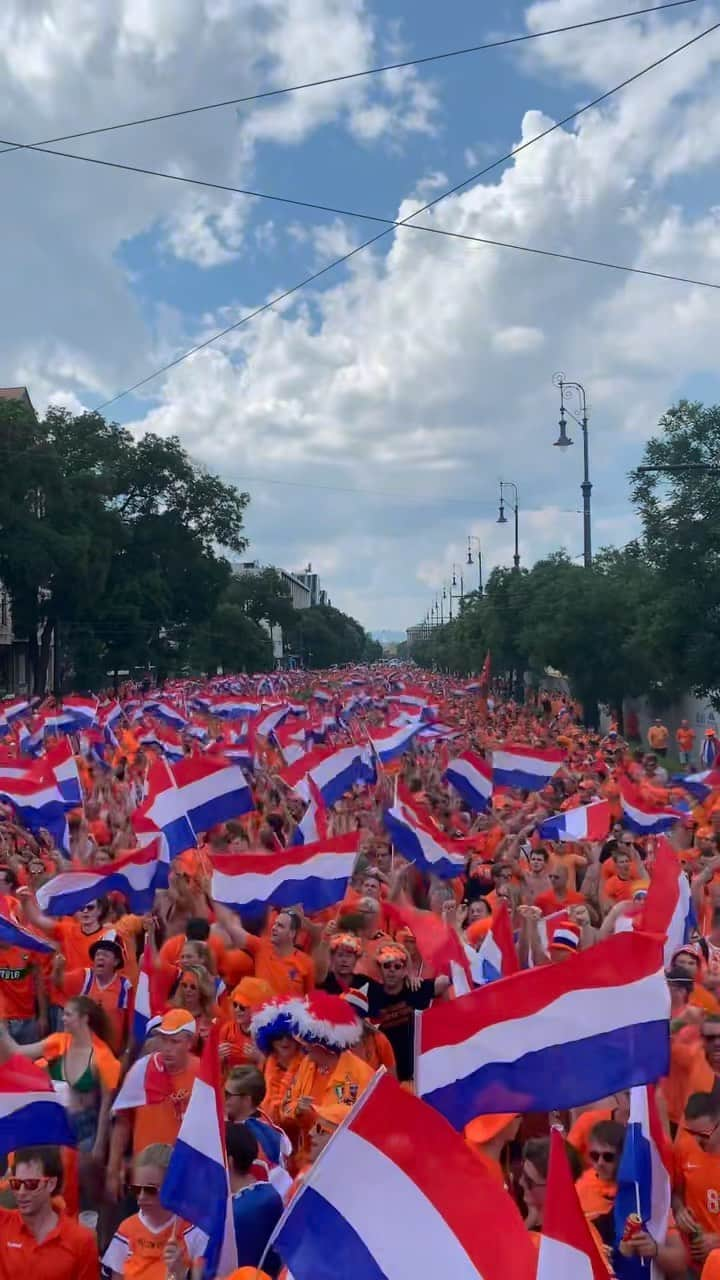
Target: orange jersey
{"x": 596, "y": 1196}
{"x": 239, "y": 1041}
{"x": 292, "y": 975}
{"x": 377, "y": 1051}
{"x": 343, "y": 1085}
{"x": 136, "y": 1250}
{"x": 697, "y": 1181}
{"x": 17, "y": 983}
{"x": 277, "y": 1084}
{"x": 160, "y": 1121}
{"x": 115, "y": 999}
{"x": 68, "y": 1252}
{"x": 711, "y": 1270}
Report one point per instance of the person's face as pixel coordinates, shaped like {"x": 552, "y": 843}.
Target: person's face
{"x": 604, "y": 1160}
{"x": 320, "y": 1135}
{"x": 284, "y": 1048}
{"x": 33, "y": 1190}
{"x": 282, "y": 932}
{"x": 706, "y": 1132}
{"x": 537, "y": 863}
{"x": 189, "y": 993}
{"x": 189, "y": 954}
{"x": 477, "y": 910}
{"x": 102, "y": 856}
{"x": 394, "y": 973}
{"x": 322, "y": 1057}
{"x": 72, "y": 1019}
{"x": 383, "y": 858}
{"x": 242, "y": 1015}
{"x": 104, "y": 964}
{"x": 175, "y": 1051}
{"x": 5, "y": 885}
{"x": 147, "y": 1181}
{"x": 533, "y": 1186}
{"x": 622, "y": 865}
{"x": 371, "y": 887}
{"x": 238, "y": 1106}
{"x": 89, "y": 917}
{"x": 711, "y": 1044}
{"x": 558, "y": 878}
{"x": 344, "y": 962}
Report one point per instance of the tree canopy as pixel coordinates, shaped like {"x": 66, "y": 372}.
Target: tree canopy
{"x": 645, "y": 619}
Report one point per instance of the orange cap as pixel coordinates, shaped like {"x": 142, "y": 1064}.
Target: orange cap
{"x": 176, "y": 1022}
{"x": 485, "y": 1128}
{"x": 252, "y": 992}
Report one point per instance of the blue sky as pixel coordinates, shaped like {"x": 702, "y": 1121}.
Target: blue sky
{"x": 372, "y": 418}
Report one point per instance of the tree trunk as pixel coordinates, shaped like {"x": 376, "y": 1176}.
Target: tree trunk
{"x": 43, "y": 658}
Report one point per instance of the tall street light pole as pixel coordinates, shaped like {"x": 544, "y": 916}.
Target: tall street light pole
{"x": 567, "y": 391}
{"x": 502, "y": 518}
{"x": 472, "y": 538}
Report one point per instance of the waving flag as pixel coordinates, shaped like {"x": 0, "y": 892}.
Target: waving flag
{"x": 668, "y": 909}
{"x": 557, "y": 1036}
{"x": 397, "y": 1196}
{"x": 567, "y": 1248}
{"x": 643, "y": 1178}
{"x": 167, "y": 713}
{"x": 13, "y": 934}
{"x": 149, "y": 999}
{"x": 334, "y": 771}
{"x": 30, "y": 741}
{"x": 84, "y": 711}
{"x": 496, "y": 956}
{"x": 529, "y": 768}
{"x": 137, "y": 875}
{"x": 709, "y": 750}
{"x": 641, "y": 817}
{"x": 61, "y": 762}
{"x": 700, "y": 785}
{"x": 211, "y": 791}
{"x": 11, "y": 766}
{"x": 314, "y": 874}
{"x": 196, "y": 1185}
{"x": 472, "y": 778}
{"x": 11, "y": 710}
{"x": 228, "y": 708}
{"x": 290, "y": 740}
{"x": 429, "y": 848}
{"x": 587, "y": 822}
{"x": 39, "y": 804}
{"x": 390, "y": 744}
{"x": 164, "y": 811}
{"x": 31, "y": 1113}
{"x": 313, "y": 824}
{"x": 269, "y": 719}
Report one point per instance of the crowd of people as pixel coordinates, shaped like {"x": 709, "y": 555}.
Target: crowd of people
{"x": 305, "y": 1008}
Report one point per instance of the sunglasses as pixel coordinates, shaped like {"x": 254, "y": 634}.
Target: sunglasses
{"x": 393, "y": 964}
{"x": 140, "y": 1188}
{"x": 27, "y": 1184}
{"x": 712, "y": 1037}
{"x": 89, "y": 906}
{"x": 607, "y": 1157}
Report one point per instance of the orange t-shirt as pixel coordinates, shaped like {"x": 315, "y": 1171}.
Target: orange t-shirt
{"x": 596, "y": 1196}
{"x": 160, "y": 1121}
{"x": 377, "y": 1051}
{"x": 685, "y": 739}
{"x": 75, "y": 946}
{"x": 342, "y": 1085}
{"x": 697, "y": 1181}
{"x": 17, "y": 983}
{"x": 292, "y": 975}
{"x": 277, "y": 1084}
{"x": 239, "y": 1040}
{"x": 711, "y": 1270}
{"x": 549, "y": 902}
{"x": 68, "y": 1252}
{"x": 618, "y": 890}
{"x": 136, "y": 1250}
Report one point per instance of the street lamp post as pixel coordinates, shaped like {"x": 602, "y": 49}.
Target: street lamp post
{"x": 502, "y": 518}
{"x": 471, "y": 539}
{"x": 567, "y": 390}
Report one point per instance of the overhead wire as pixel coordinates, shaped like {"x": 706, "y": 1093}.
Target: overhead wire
{"x": 350, "y": 75}
{"x": 346, "y": 257}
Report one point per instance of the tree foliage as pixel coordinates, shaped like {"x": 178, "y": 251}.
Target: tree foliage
{"x": 644, "y": 619}
{"x": 107, "y": 542}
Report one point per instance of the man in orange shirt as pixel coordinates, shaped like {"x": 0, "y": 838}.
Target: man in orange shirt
{"x": 685, "y": 739}
{"x": 597, "y": 1186}
{"x": 658, "y": 736}
{"x": 154, "y": 1095}
{"x": 696, "y": 1199}
{"x": 35, "y": 1239}
{"x": 23, "y": 996}
{"x": 278, "y": 961}
{"x": 104, "y": 984}
{"x": 560, "y": 895}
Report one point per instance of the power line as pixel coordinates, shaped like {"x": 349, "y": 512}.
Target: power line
{"x": 350, "y": 75}
{"x": 373, "y": 217}
{"x": 316, "y": 275}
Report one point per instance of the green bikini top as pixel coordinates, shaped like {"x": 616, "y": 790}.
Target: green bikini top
{"x": 85, "y": 1083}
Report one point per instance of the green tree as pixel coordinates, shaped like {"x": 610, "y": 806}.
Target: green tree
{"x": 108, "y": 543}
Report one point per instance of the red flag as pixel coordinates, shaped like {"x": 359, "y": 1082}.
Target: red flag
{"x": 485, "y": 673}
{"x": 567, "y": 1247}
{"x": 438, "y": 944}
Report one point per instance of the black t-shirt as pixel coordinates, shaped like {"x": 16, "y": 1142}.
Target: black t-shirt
{"x": 395, "y": 1017}
{"x": 333, "y": 987}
